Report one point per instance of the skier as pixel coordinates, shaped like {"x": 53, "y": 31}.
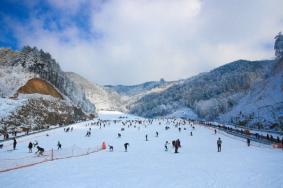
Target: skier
{"x": 40, "y": 150}
{"x": 88, "y": 133}
{"x": 119, "y": 135}
{"x": 30, "y": 147}
{"x": 191, "y": 133}
{"x": 126, "y": 146}
{"x": 166, "y": 147}
{"x": 219, "y": 143}
{"x": 177, "y": 145}
{"x": 215, "y": 131}
{"x": 173, "y": 143}
{"x": 156, "y": 134}
{"x": 111, "y": 148}
{"x": 248, "y": 141}
{"x": 176, "y": 148}
{"x": 59, "y": 145}
{"x": 14, "y": 143}
{"x": 146, "y": 138}
{"x": 180, "y": 129}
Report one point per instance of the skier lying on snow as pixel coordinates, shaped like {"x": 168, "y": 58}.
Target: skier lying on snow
{"x": 40, "y": 150}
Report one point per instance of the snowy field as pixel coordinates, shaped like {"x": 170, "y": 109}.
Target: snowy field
{"x": 146, "y": 164}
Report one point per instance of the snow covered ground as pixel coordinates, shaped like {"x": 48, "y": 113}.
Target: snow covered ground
{"x": 146, "y": 164}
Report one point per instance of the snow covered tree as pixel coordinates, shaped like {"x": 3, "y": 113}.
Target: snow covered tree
{"x": 278, "y": 46}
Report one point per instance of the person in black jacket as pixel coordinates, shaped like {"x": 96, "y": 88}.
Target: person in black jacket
{"x": 219, "y": 143}
{"x": 177, "y": 145}
{"x": 14, "y": 143}
{"x": 30, "y": 147}
{"x": 248, "y": 141}
{"x": 40, "y": 150}
{"x": 126, "y": 146}
{"x": 59, "y": 145}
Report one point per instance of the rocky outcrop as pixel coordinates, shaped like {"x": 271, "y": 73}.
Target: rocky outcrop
{"x": 39, "y": 86}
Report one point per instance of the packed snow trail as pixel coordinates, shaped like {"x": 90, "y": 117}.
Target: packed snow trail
{"x": 146, "y": 164}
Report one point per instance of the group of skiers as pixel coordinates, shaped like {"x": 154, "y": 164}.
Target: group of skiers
{"x": 68, "y": 129}
{"x": 176, "y": 143}
{"x": 40, "y": 150}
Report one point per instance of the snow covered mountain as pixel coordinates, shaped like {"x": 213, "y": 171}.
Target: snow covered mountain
{"x": 42, "y": 64}
{"x": 262, "y": 105}
{"x": 103, "y": 98}
{"x": 131, "y": 94}
{"x": 223, "y": 93}
{"x": 139, "y": 88}
{"x": 35, "y": 92}
{"x": 245, "y": 93}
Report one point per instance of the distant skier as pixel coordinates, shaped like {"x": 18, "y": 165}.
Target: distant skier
{"x": 156, "y": 134}
{"x": 126, "y": 146}
{"x": 248, "y": 142}
{"x": 180, "y": 129}
{"x": 215, "y": 131}
{"x": 111, "y": 148}
{"x": 166, "y": 145}
{"x": 146, "y": 139}
{"x": 219, "y": 143}
{"x": 119, "y": 135}
{"x": 14, "y": 143}
{"x": 88, "y": 133}
{"x": 30, "y": 147}
{"x": 177, "y": 145}
{"x": 191, "y": 133}
{"x": 39, "y": 151}
{"x": 59, "y": 145}
{"x": 173, "y": 143}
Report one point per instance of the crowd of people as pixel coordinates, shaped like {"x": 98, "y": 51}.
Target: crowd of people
{"x": 180, "y": 124}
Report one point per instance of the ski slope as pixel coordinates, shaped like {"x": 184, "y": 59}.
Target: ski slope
{"x": 146, "y": 164}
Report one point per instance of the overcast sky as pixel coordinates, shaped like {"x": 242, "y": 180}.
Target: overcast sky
{"x": 133, "y": 41}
